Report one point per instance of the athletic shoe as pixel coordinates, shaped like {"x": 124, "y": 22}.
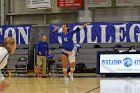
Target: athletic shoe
{"x": 66, "y": 81}
{"x": 71, "y": 76}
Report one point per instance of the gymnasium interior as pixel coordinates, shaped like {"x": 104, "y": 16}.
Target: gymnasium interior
{"x": 99, "y": 68}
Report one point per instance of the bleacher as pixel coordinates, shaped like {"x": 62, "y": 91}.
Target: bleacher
{"x": 21, "y": 51}
{"x": 88, "y": 52}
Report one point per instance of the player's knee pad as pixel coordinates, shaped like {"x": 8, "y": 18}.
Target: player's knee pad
{"x": 64, "y": 69}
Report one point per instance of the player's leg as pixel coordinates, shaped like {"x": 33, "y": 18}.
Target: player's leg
{"x": 72, "y": 69}
{"x": 72, "y": 65}
{"x": 43, "y": 66}
{"x": 64, "y": 63}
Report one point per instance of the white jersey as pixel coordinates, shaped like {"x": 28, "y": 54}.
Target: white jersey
{"x": 3, "y": 60}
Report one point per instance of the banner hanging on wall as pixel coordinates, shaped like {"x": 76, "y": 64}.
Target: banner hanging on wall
{"x": 127, "y": 2}
{"x": 97, "y": 3}
{"x": 39, "y": 4}
{"x": 101, "y": 33}
{"x": 69, "y": 3}
{"x": 20, "y": 33}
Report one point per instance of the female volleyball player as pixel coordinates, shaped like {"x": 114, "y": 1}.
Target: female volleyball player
{"x": 68, "y": 52}
{"x": 8, "y": 47}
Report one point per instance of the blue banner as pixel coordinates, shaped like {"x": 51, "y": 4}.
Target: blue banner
{"x": 20, "y": 33}
{"x": 99, "y": 32}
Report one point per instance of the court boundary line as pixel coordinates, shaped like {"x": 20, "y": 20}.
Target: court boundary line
{"x": 93, "y": 89}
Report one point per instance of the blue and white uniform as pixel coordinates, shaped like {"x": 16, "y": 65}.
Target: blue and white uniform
{"x": 3, "y": 60}
{"x": 67, "y": 44}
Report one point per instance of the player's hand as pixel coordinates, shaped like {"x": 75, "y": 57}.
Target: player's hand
{"x": 6, "y": 84}
{"x": 84, "y": 25}
{"x": 56, "y": 28}
{"x": 87, "y": 24}
{"x": 3, "y": 85}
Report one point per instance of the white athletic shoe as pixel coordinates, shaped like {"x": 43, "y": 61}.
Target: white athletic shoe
{"x": 66, "y": 80}
{"x": 71, "y": 76}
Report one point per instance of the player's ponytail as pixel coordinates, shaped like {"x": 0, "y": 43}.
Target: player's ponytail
{"x": 68, "y": 28}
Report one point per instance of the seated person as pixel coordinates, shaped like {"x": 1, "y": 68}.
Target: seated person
{"x": 51, "y": 61}
{"x": 132, "y": 49}
{"x": 115, "y": 48}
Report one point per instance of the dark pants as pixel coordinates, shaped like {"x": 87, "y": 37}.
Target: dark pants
{"x": 50, "y": 64}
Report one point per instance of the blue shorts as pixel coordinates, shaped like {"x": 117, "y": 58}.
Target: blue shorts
{"x": 66, "y": 50}
{"x": 64, "y": 53}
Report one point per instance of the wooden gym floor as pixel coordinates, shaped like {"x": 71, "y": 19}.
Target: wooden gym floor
{"x": 79, "y": 85}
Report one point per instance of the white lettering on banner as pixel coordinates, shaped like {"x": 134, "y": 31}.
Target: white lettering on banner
{"x": 131, "y": 33}
{"x": 7, "y": 32}
{"x": 0, "y": 31}
{"x": 59, "y": 38}
{"x": 119, "y": 32}
{"x": 74, "y": 36}
{"x": 89, "y": 34}
{"x": 16, "y": 33}
{"x": 82, "y": 34}
{"x": 23, "y": 34}
{"x": 103, "y": 33}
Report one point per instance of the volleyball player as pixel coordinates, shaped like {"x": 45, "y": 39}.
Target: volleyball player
{"x": 8, "y": 47}
{"x": 68, "y": 52}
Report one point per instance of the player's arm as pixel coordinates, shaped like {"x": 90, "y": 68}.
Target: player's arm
{"x": 81, "y": 27}
{"x": 84, "y": 25}
{"x": 3, "y": 83}
{"x": 55, "y": 31}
